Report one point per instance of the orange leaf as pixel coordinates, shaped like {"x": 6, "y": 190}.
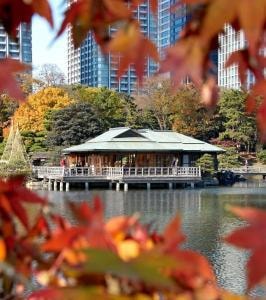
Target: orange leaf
{"x": 2, "y": 250}
{"x": 173, "y": 235}
{"x": 14, "y": 192}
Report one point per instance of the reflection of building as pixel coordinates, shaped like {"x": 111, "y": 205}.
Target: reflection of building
{"x": 139, "y": 148}
{"x": 21, "y": 49}
{"x": 88, "y": 66}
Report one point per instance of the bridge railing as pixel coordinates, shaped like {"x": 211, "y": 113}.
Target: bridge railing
{"x": 249, "y": 169}
{"x": 116, "y": 172}
{"x": 48, "y": 172}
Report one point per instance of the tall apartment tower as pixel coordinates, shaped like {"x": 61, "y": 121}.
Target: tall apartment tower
{"x": 231, "y": 41}
{"x": 19, "y": 49}
{"x": 172, "y": 18}
{"x": 87, "y": 65}
{"x": 170, "y": 23}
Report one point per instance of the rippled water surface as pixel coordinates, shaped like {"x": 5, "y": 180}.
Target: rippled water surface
{"x": 205, "y": 220}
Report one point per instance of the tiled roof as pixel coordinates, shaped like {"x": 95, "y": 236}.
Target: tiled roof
{"x": 127, "y": 139}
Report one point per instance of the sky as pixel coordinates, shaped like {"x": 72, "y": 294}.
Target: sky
{"x": 44, "y": 48}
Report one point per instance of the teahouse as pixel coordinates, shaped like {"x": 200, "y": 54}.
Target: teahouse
{"x": 127, "y": 147}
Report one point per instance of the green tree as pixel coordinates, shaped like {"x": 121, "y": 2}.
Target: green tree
{"x": 113, "y": 108}
{"x": 230, "y": 159}
{"x": 261, "y": 155}
{"x": 206, "y": 163}
{"x": 34, "y": 141}
{"x": 72, "y": 125}
{"x": 239, "y": 126}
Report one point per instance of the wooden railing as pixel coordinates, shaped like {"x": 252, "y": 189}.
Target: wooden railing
{"x": 116, "y": 172}
{"x": 249, "y": 170}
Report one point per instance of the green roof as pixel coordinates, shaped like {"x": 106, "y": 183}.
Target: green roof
{"x": 142, "y": 140}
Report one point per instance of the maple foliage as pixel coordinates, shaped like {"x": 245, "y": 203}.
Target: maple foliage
{"x": 251, "y": 237}
{"x": 9, "y": 68}
{"x": 97, "y": 259}
{"x": 14, "y": 12}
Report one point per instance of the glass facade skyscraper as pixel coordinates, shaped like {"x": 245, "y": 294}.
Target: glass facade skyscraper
{"x": 170, "y": 22}
{"x": 87, "y": 65}
{"x": 231, "y": 41}
{"x": 21, "y": 48}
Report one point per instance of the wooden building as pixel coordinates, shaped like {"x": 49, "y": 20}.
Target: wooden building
{"x": 126, "y": 147}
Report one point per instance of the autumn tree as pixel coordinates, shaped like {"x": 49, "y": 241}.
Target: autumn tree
{"x": 190, "y": 116}
{"x": 7, "y": 109}
{"x": 30, "y": 115}
{"x": 156, "y": 97}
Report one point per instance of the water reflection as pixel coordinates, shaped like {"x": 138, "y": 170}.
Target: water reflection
{"x": 205, "y": 220}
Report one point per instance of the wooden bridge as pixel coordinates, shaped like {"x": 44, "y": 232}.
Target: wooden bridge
{"x": 249, "y": 170}
{"x": 118, "y": 175}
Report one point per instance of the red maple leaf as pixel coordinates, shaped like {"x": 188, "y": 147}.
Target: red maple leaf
{"x": 186, "y": 58}
{"x": 132, "y": 47}
{"x": 8, "y": 83}
{"x": 86, "y": 15}
{"x": 253, "y": 238}
{"x": 12, "y": 194}
{"x": 91, "y": 229}
{"x": 14, "y": 12}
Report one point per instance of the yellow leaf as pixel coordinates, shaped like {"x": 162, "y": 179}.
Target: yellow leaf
{"x": 128, "y": 249}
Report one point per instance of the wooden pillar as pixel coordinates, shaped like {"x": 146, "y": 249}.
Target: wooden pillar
{"x": 67, "y": 186}
{"x": 61, "y": 186}
{"x": 87, "y": 185}
{"x": 118, "y": 186}
{"x": 125, "y": 187}
{"x": 55, "y": 185}
{"x": 49, "y": 185}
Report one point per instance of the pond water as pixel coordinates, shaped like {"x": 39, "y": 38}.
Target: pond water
{"x": 205, "y": 220}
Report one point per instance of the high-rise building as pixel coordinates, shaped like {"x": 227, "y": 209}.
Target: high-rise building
{"x": 231, "y": 41}
{"x": 21, "y": 48}
{"x": 170, "y": 22}
{"x": 87, "y": 65}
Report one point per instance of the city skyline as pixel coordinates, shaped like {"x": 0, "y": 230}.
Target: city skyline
{"x": 100, "y": 74}
{"x": 87, "y": 65}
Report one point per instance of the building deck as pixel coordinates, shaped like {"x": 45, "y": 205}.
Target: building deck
{"x": 118, "y": 175}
